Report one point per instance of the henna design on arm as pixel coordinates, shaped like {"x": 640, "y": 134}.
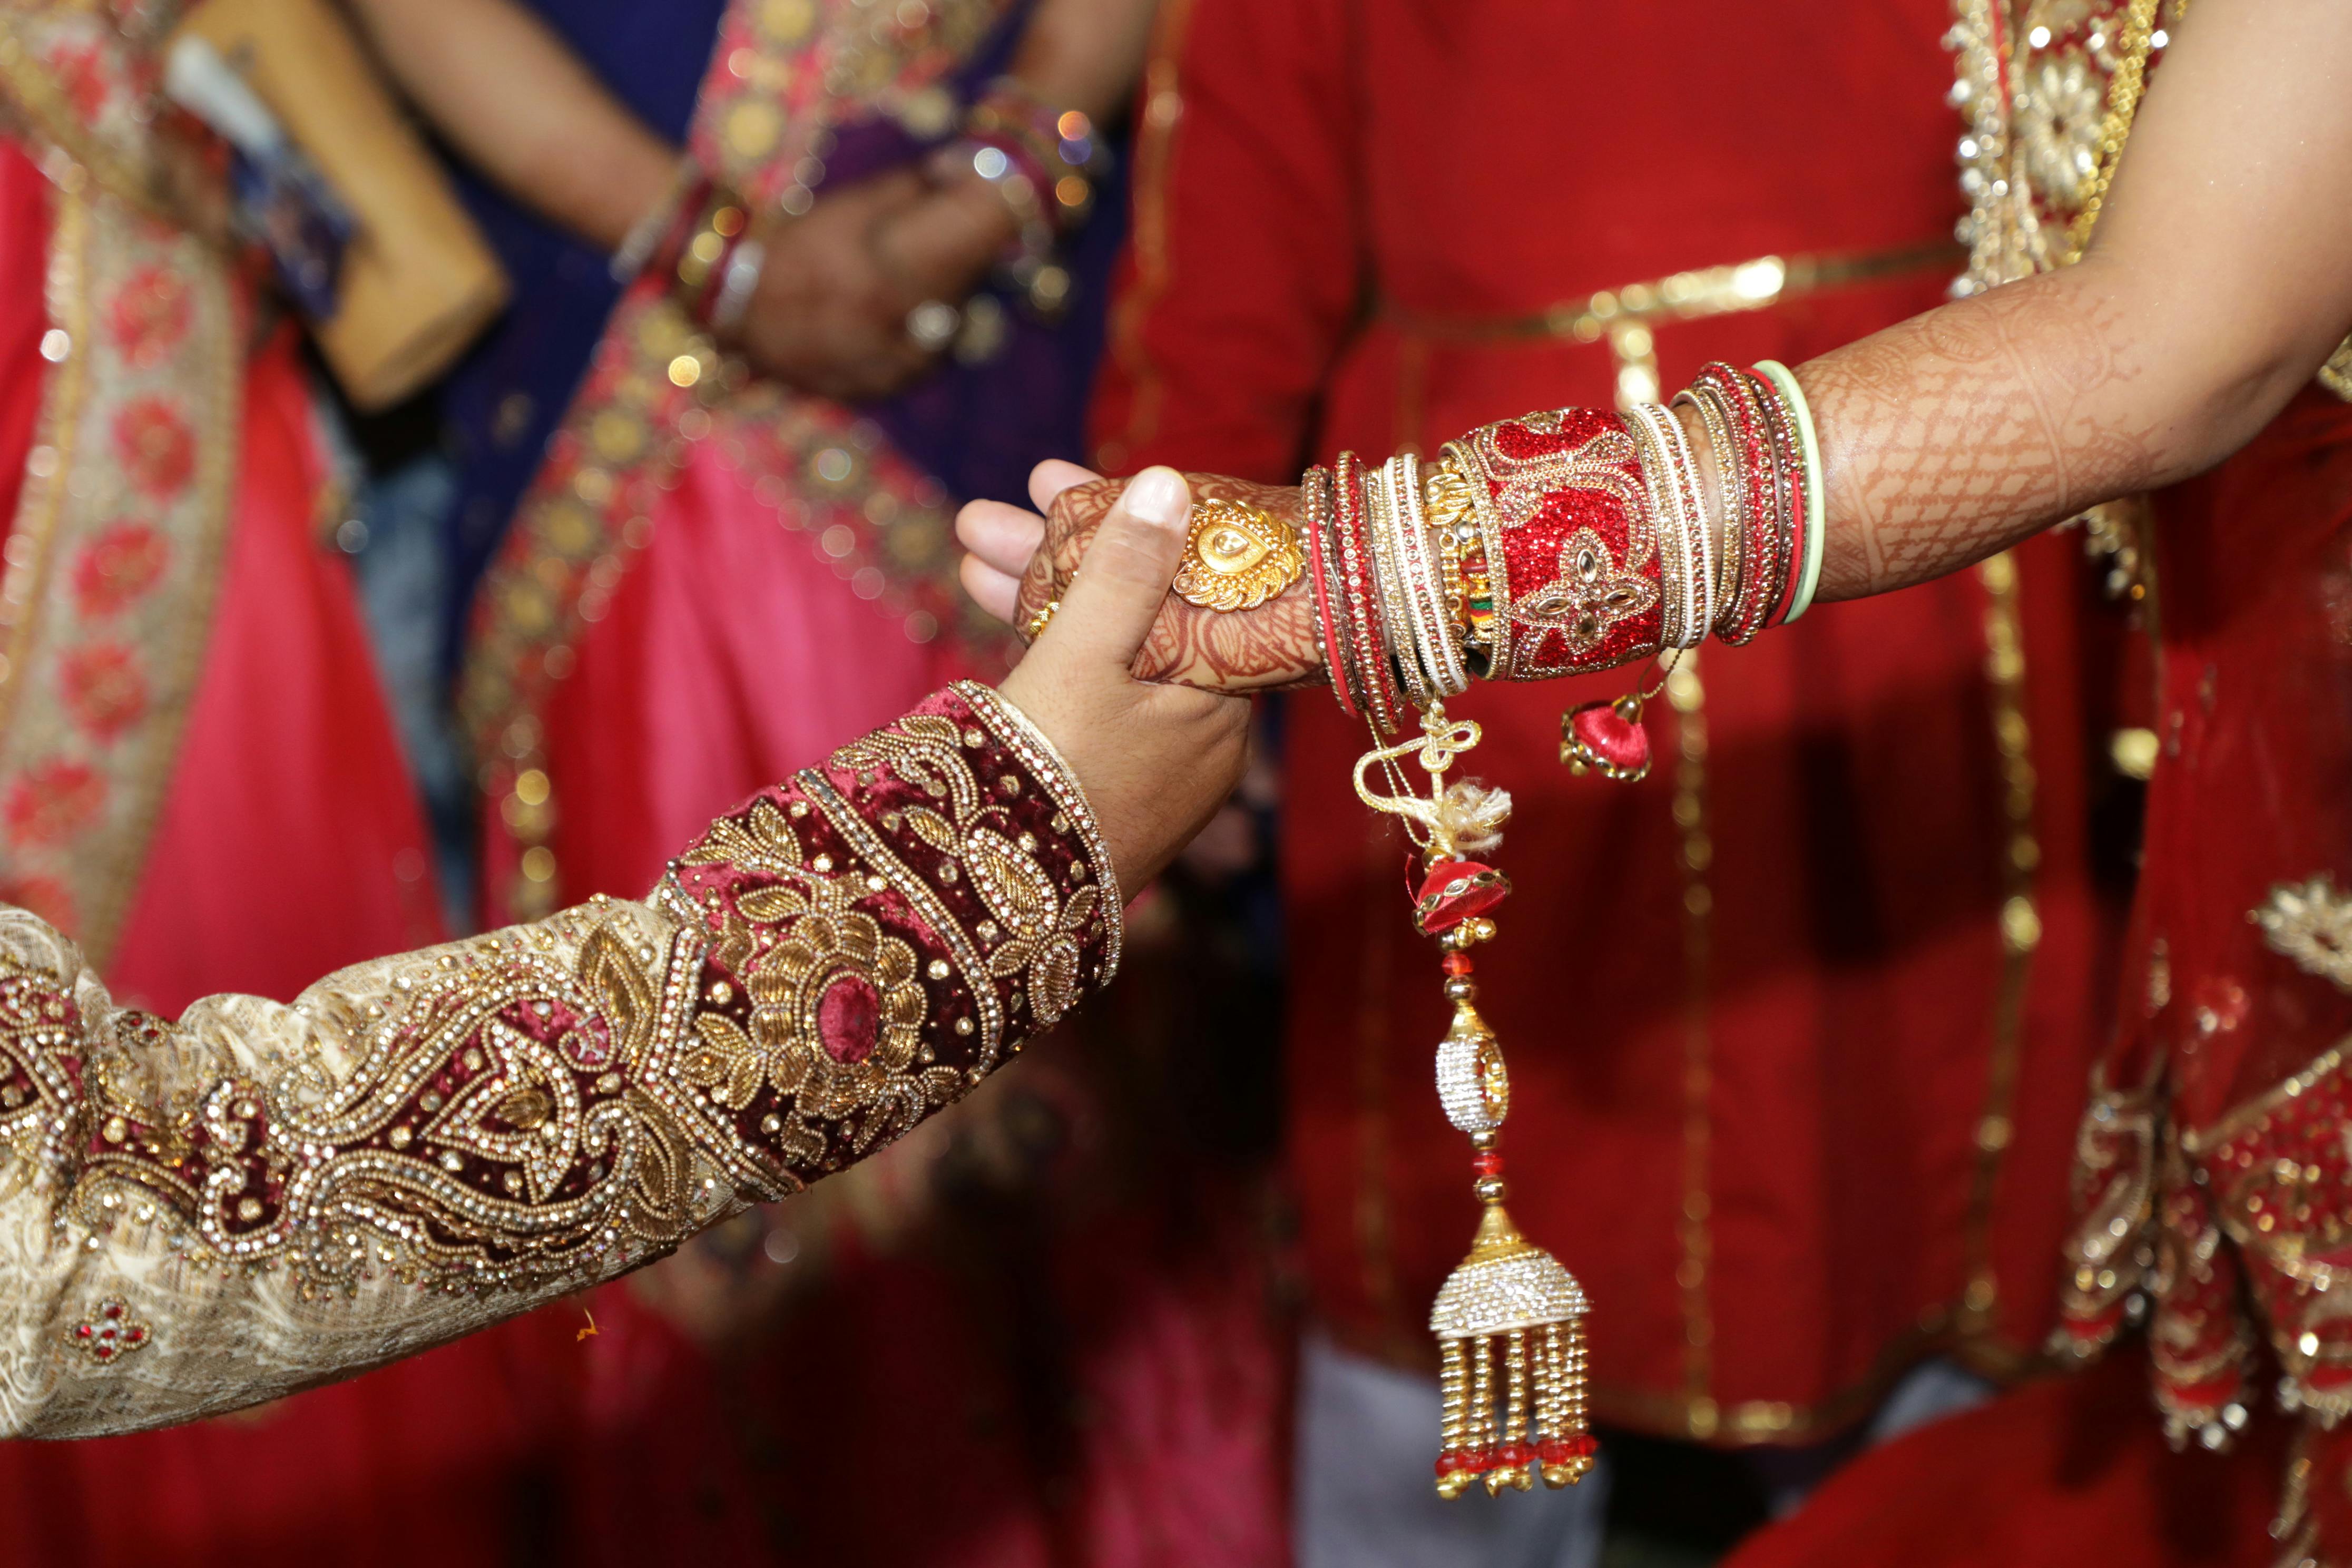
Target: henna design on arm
{"x": 1957, "y": 433}
{"x": 1945, "y": 439}
{"x": 1272, "y": 648}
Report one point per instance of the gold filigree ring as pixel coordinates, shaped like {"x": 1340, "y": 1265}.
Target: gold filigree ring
{"x": 1034, "y": 626}
{"x": 1237, "y": 557}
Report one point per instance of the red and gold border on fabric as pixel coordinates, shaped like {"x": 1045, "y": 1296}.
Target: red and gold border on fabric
{"x": 658, "y": 392}
{"x": 783, "y": 68}
{"x": 2236, "y": 1230}
{"x": 2271, "y": 1175}
{"x": 114, "y": 552}
{"x": 84, "y": 84}
{"x": 781, "y": 76}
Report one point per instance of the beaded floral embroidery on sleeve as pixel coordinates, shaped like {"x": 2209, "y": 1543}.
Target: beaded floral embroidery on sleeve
{"x": 263, "y": 1190}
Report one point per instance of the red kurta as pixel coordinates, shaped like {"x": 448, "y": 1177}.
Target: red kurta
{"x": 1797, "y": 1027}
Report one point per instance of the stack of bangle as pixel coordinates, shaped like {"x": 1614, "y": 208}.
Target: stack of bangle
{"x": 1565, "y": 543}
{"x": 1042, "y": 161}
{"x": 1670, "y": 476}
{"x": 1462, "y": 516}
{"x": 1055, "y": 150}
{"x": 1323, "y": 577}
{"x": 1762, "y": 438}
{"x": 701, "y": 238}
{"x": 1755, "y": 551}
{"x": 1366, "y": 668}
{"x": 1796, "y": 422}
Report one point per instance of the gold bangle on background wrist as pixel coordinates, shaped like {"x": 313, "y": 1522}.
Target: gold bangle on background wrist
{"x": 722, "y": 218}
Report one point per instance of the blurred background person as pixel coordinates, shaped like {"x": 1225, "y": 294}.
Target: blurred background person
{"x": 1856, "y": 899}
{"x": 721, "y": 546}
{"x": 1085, "y": 1403}
{"x": 188, "y": 687}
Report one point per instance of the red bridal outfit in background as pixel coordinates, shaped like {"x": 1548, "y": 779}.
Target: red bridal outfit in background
{"x": 1799, "y": 1025}
{"x": 201, "y": 784}
{"x": 2214, "y": 1179}
{"x": 199, "y": 780}
{"x": 2217, "y": 1142}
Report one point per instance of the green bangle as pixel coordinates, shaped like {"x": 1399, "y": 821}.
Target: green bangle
{"x": 1816, "y": 504}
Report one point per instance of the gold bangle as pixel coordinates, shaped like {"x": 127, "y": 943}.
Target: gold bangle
{"x": 722, "y": 218}
{"x": 1445, "y": 503}
{"x": 1465, "y": 501}
{"x": 1446, "y": 495}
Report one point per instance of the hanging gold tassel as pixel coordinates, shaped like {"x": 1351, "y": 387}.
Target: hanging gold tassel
{"x": 1512, "y": 1293}
{"x": 1510, "y": 1424}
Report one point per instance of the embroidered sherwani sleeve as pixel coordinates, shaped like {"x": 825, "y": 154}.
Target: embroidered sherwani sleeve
{"x": 200, "y": 1215}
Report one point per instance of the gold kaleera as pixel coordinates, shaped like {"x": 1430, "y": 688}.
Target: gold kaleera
{"x": 1510, "y": 1321}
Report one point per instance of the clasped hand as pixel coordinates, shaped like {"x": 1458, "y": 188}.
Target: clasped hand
{"x": 1156, "y": 760}
{"x": 829, "y": 314}
{"x": 1021, "y": 561}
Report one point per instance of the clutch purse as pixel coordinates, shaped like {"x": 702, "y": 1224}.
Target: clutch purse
{"x": 417, "y": 281}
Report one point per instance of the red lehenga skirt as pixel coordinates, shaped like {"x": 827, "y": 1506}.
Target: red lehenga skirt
{"x": 2217, "y": 1177}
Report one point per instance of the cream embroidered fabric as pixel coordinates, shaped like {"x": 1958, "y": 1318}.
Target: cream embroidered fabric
{"x": 217, "y": 1332}
{"x": 202, "y": 1214}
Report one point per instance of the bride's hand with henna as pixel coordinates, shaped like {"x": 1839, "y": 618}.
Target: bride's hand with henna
{"x": 1021, "y": 563}
{"x": 1156, "y": 761}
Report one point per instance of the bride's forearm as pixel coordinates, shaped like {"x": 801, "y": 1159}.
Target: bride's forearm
{"x": 2219, "y": 278}
{"x": 2219, "y": 283}
{"x": 1957, "y": 433}
{"x": 1953, "y": 435}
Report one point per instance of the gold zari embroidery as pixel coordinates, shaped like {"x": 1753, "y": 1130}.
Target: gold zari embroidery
{"x": 511, "y": 1117}
{"x": 2312, "y": 924}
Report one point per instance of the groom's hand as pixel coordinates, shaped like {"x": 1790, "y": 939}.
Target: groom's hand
{"x": 1020, "y": 564}
{"x": 1156, "y": 761}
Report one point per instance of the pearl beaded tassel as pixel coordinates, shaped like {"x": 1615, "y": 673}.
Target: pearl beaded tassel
{"x": 1508, "y": 1294}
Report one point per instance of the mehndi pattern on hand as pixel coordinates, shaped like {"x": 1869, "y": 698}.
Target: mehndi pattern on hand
{"x": 1269, "y": 646}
